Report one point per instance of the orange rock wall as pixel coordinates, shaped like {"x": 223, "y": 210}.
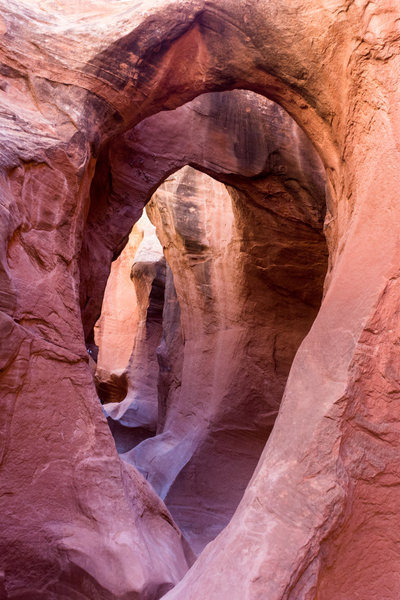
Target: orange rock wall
{"x": 115, "y": 331}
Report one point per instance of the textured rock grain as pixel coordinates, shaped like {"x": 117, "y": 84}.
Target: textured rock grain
{"x": 69, "y": 82}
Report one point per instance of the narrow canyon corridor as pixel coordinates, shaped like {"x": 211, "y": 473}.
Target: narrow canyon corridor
{"x": 219, "y": 384}
{"x": 244, "y": 286}
{"x": 199, "y": 366}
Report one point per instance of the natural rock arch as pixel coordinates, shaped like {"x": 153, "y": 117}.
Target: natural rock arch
{"x": 238, "y": 138}
{"x": 324, "y": 64}
{"x": 277, "y": 186}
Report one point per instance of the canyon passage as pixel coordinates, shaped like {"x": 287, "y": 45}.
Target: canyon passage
{"x": 199, "y": 366}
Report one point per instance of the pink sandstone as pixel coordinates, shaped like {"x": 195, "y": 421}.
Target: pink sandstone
{"x": 319, "y": 517}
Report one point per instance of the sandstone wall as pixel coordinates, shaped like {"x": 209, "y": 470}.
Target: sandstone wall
{"x": 319, "y": 517}
{"x": 116, "y": 330}
{"x": 133, "y": 415}
{"x": 245, "y": 304}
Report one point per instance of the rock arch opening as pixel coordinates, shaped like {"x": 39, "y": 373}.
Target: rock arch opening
{"x": 246, "y": 261}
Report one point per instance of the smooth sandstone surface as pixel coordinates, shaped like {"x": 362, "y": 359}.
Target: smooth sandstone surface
{"x": 228, "y": 295}
{"x": 134, "y": 416}
{"x": 228, "y": 363}
{"x": 319, "y": 517}
{"x": 116, "y": 330}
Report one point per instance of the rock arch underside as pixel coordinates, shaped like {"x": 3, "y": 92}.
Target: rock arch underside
{"x": 262, "y": 454}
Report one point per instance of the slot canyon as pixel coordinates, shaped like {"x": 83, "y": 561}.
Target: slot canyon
{"x": 199, "y": 364}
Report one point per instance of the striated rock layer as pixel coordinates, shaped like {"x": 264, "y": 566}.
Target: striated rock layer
{"x": 319, "y": 517}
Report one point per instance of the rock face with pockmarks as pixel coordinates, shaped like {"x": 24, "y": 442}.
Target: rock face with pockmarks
{"x": 80, "y": 156}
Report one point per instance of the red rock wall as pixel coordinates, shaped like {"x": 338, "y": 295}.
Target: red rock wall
{"x": 115, "y": 331}
{"x": 59, "y": 465}
{"x": 68, "y": 84}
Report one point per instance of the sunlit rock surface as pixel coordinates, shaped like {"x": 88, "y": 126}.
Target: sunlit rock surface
{"x": 116, "y": 330}
{"x": 135, "y": 414}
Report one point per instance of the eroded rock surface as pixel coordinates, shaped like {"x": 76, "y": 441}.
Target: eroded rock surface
{"x": 228, "y": 365}
{"x": 239, "y": 138}
{"x": 320, "y": 515}
{"x": 135, "y": 417}
{"x": 282, "y": 179}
